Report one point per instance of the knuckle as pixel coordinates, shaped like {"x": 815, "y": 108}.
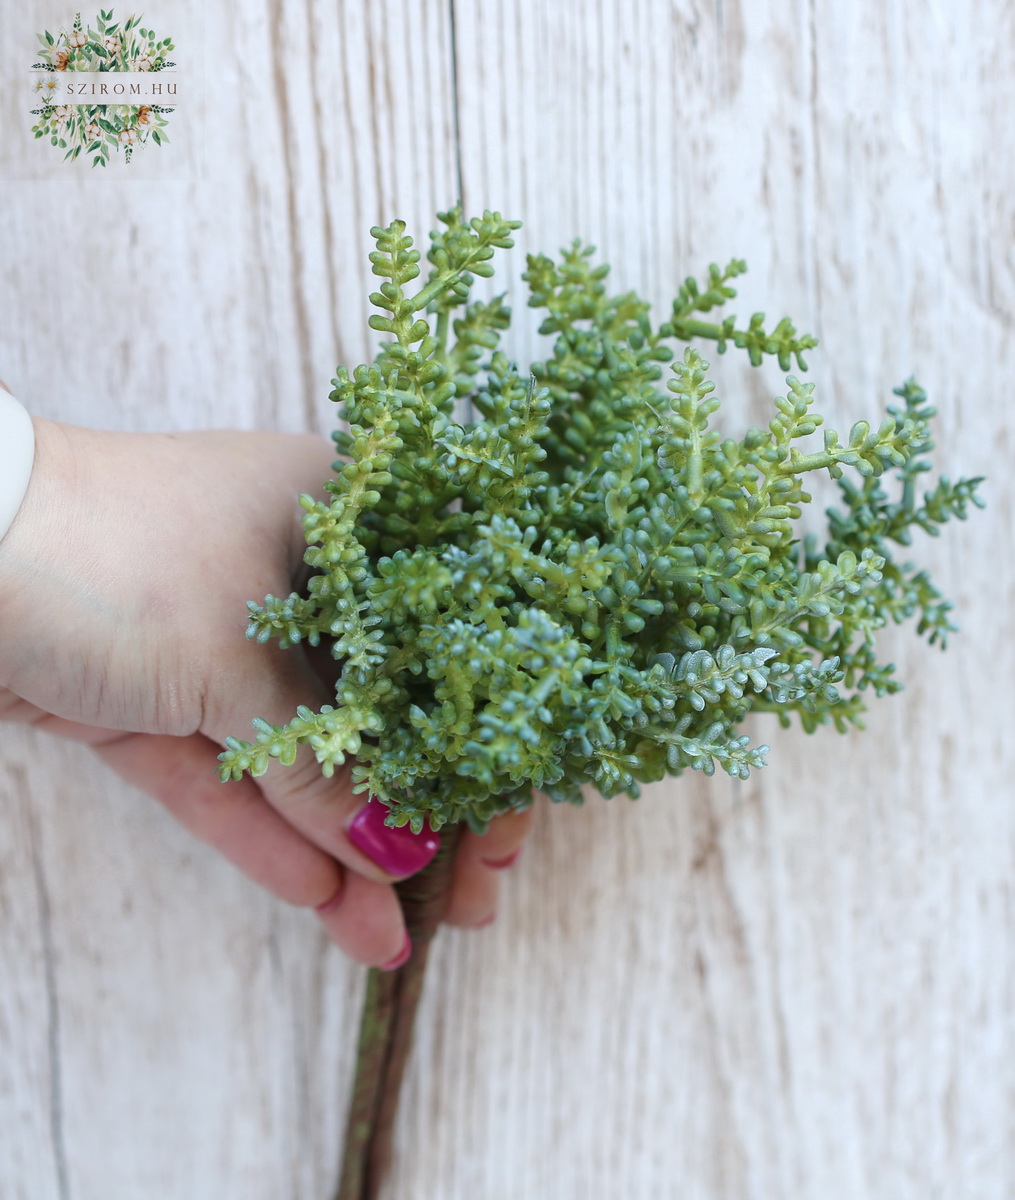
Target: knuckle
{"x": 304, "y": 787}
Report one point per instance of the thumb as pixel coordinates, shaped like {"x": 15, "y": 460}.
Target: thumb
{"x": 326, "y": 811}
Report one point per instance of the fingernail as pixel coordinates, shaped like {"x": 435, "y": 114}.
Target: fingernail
{"x": 485, "y": 921}
{"x": 397, "y": 851}
{"x": 400, "y": 958}
{"x": 499, "y": 864}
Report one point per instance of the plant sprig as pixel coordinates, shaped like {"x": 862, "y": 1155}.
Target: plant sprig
{"x": 590, "y": 582}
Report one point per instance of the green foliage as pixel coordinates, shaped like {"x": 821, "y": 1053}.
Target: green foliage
{"x": 588, "y": 583}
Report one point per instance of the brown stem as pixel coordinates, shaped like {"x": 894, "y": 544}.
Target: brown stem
{"x": 385, "y": 1037}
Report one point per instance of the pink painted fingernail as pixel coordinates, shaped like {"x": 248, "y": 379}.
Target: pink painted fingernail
{"x": 400, "y": 958}
{"x": 397, "y": 851}
{"x": 499, "y": 864}
{"x": 485, "y": 921}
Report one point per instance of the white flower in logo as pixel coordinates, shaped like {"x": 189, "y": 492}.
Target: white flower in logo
{"x": 60, "y": 56}
{"x": 128, "y": 136}
{"x": 63, "y": 112}
{"x": 77, "y": 38}
{"x": 92, "y": 132}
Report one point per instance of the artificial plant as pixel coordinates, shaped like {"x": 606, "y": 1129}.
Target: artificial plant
{"x": 585, "y": 583}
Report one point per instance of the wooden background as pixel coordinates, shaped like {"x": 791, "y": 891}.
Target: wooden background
{"x": 797, "y": 987}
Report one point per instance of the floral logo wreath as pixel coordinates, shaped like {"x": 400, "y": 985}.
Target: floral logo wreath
{"x": 99, "y": 129}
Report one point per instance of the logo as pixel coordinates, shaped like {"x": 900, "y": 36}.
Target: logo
{"x": 105, "y": 88}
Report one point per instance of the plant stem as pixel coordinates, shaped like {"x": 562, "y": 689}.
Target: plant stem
{"x": 389, "y": 1009}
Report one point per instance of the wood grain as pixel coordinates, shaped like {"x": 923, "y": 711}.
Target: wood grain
{"x": 797, "y": 987}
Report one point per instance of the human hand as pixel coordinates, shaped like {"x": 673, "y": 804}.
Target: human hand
{"x": 123, "y": 588}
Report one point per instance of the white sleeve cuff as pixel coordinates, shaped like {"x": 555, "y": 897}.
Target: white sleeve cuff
{"x": 17, "y": 454}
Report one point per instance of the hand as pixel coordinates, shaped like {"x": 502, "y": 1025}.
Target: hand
{"x": 123, "y": 589}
